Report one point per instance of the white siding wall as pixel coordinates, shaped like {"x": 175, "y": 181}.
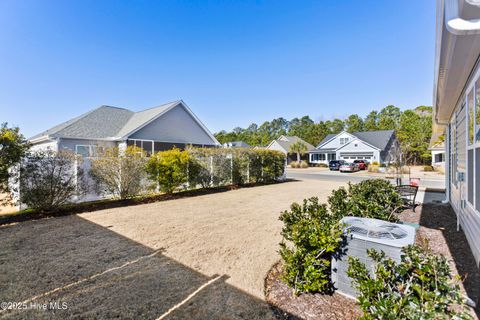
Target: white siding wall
{"x": 469, "y": 218}
{"x": 277, "y": 147}
{"x": 335, "y": 143}
{"x": 52, "y": 145}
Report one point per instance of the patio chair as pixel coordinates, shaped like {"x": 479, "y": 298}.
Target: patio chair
{"x": 408, "y": 193}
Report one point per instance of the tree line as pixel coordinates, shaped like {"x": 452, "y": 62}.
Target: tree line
{"x": 413, "y": 128}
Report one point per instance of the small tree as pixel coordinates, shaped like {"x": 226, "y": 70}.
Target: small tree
{"x": 119, "y": 173}
{"x": 299, "y": 148}
{"x": 13, "y": 147}
{"x": 50, "y": 179}
{"x": 314, "y": 234}
{"x": 169, "y": 169}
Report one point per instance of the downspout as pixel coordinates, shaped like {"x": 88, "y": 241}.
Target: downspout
{"x": 447, "y": 155}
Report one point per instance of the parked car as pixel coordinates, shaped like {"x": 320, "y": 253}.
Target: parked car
{"x": 335, "y": 164}
{"x": 349, "y": 167}
{"x": 362, "y": 164}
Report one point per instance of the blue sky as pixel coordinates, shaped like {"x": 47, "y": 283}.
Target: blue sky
{"x": 232, "y": 62}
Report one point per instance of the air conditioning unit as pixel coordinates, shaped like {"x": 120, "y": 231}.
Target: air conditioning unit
{"x": 363, "y": 234}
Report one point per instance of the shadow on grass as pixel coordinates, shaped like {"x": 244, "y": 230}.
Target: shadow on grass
{"x": 29, "y": 214}
{"x": 100, "y": 274}
{"x": 442, "y": 217}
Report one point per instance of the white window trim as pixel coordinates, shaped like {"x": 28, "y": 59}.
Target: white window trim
{"x": 475, "y": 145}
{"x": 141, "y": 143}
{"x": 89, "y": 146}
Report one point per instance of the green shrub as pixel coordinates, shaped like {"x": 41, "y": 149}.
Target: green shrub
{"x": 374, "y": 198}
{"x": 419, "y": 287}
{"x": 169, "y": 169}
{"x": 304, "y": 164}
{"x": 313, "y": 235}
{"x": 238, "y": 166}
{"x": 50, "y": 179}
{"x": 428, "y": 168}
{"x": 294, "y": 164}
{"x": 119, "y": 173}
{"x": 322, "y": 165}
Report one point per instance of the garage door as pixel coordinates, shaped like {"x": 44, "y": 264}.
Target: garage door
{"x": 356, "y": 156}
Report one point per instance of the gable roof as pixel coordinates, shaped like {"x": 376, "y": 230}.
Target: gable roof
{"x": 112, "y": 123}
{"x": 99, "y": 123}
{"x": 286, "y": 142}
{"x": 378, "y": 139}
{"x": 237, "y": 144}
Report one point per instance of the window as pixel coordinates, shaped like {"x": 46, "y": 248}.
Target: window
{"x": 470, "y": 181}
{"x": 322, "y": 157}
{"x": 453, "y": 154}
{"x": 331, "y": 156}
{"x": 343, "y": 140}
{"x": 471, "y": 112}
{"x": 84, "y": 151}
{"x": 477, "y": 110}
{"x": 477, "y": 178}
{"x": 146, "y": 145}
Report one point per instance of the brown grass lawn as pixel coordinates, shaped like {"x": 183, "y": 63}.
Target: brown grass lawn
{"x": 201, "y": 257}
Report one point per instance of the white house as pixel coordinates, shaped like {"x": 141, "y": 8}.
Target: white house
{"x": 456, "y": 109}
{"x": 373, "y": 146}
{"x": 284, "y": 143}
{"x": 438, "y": 154}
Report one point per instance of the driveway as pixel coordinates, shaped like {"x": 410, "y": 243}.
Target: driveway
{"x": 427, "y": 180}
{"x": 199, "y": 257}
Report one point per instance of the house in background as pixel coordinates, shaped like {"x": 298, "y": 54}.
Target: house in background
{"x": 456, "y": 110}
{"x": 284, "y": 143}
{"x": 236, "y": 144}
{"x": 438, "y": 154}
{"x": 156, "y": 129}
{"x": 380, "y": 146}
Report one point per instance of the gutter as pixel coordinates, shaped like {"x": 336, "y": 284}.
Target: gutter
{"x": 457, "y": 25}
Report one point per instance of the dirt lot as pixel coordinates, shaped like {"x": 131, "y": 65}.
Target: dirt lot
{"x": 200, "y": 257}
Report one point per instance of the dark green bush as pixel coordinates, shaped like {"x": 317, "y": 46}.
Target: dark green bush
{"x": 313, "y": 235}
{"x": 375, "y": 198}
{"x": 419, "y": 287}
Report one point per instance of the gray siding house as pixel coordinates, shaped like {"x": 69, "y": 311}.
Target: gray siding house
{"x": 284, "y": 143}
{"x": 155, "y": 129}
{"x": 380, "y": 146}
{"x": 456, "y": 110}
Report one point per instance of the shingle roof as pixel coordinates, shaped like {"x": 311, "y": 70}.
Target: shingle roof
{"x": 327, "y": 138}
{"x": 289, "y": 140}
{"x": 379, "y": 138}
{"x": 237, "y": 144}
{"x": 105, "y": 122}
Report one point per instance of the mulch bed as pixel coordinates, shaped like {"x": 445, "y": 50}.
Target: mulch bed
{"x": 76, "y": 208}
{"x": 306, "y": 306}
{"x": 438, "y": 229}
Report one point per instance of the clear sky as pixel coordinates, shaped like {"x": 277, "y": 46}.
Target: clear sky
{"x": 232, "y": 62}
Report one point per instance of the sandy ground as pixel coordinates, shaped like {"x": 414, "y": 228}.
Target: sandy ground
{"x": 200, "y": 257}
{"x": 8, "y": 208}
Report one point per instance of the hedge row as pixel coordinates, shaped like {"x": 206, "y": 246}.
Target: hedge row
{"x": 124, "y": 174}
